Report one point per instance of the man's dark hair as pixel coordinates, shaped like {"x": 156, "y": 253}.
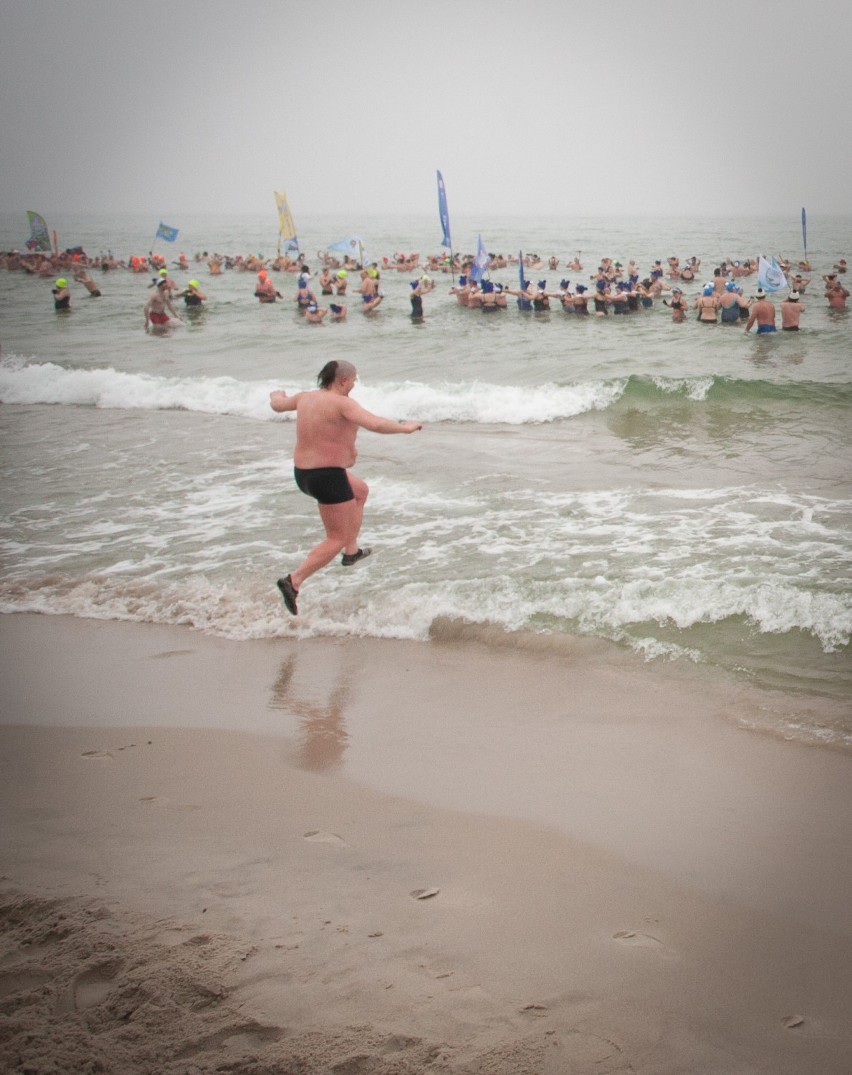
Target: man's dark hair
{"x": 331, "y": 371}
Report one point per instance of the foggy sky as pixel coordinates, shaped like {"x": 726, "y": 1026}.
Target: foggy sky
{"x": 550, "y": 107}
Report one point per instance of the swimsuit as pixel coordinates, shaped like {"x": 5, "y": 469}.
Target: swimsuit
{"x": 63, "y": 303}
{"x": 327, "y": 485}
{"x": 158, "y": 317}
{"x": 765, "y": 328}
{"x": 192, "y": 300}
{"x": 791, "y": 328}
{"x": 730, "y": 314}
{"x": 417, "y": 306}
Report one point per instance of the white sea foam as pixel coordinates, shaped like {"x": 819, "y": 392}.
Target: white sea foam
{"x": 50, "y": 383}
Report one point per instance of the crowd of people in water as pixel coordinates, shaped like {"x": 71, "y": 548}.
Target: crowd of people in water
{"x": 611, "y": 289}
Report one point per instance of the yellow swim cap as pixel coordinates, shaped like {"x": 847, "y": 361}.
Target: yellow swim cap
{"x": 164, "y": 272}
{"x": 342, "y": 273}
{"x": 62, "y": 282}
{"x": 194, "y": 283}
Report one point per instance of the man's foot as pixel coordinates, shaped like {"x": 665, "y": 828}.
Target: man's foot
{"x": 348, "y": 560}
{"x": 289, "y": 593}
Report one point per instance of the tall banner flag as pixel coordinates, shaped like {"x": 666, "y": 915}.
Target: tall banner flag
{"x": 480, "y": 262}
{"x": 523, "y": 304}
{"x": 443, "y": 212}
{"x": 805, "y": 232}
{"x": 769, "y": 275}
{"x": 39, "y": 235}
{"x": 167, "y": 233}
{"x": 286, "y": 227}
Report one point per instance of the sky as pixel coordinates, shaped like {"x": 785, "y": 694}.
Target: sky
{"x": 553, "y": 107}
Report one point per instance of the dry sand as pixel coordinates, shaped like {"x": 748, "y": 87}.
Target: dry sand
{"x": 362, "y": 857}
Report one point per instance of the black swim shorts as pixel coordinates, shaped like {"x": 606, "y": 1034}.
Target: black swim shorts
{"x": 327, "y": 485}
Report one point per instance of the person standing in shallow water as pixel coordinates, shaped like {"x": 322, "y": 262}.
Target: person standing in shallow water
{"x": 327, "y": 423}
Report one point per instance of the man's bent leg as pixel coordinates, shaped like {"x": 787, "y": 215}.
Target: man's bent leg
{"x": 341, "y": 522}
{"x": 361, "y": 491}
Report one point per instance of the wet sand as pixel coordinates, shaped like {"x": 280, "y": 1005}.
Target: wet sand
{"x": 361, "y": 856}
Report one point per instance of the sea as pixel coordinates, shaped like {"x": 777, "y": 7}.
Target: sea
{"x": 675, "y": 490}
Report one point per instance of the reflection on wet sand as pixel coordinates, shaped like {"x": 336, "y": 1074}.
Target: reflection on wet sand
{"x": 322, "y": 735}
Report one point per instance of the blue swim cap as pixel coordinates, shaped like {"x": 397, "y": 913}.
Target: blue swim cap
{"x": 462, "y": 280}
{"x": 413, "y": 284}
{"x": 730, "y": 286}
{"x": 487, "y": 287}
{"x": 542, "y": 284}
{"x": 335, "y": 309}
{"x": 708, "y": 290}
{"x": 564, "y": 284}
{"x": 581, "y": 288}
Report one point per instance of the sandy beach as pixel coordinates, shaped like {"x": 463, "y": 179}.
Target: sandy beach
{"x": 359, "y": 856}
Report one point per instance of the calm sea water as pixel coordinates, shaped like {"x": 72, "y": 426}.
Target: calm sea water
{"x": 683, "y": 491}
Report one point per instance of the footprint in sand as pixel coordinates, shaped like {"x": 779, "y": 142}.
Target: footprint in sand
{"x": 317, "y": 836}
{"x": 634, "y": 939}
{"x": 91, "y": 987}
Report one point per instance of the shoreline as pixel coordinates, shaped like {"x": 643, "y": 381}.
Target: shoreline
{"x": 624, "y": 876}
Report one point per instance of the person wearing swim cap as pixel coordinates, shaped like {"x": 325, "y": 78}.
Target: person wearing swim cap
{"x": 61, "y": 295}
{"x": 416, "y": 301}
{"x": 315, "y": 313}
{"x": 265, "y": 291}
{"x": 369, "y": 286}
{"x": 192, "y": 295}
{"x": 791, "y": 311}
{"x": 677, "y": 305}
{"x": 164, "y": 278}
{"x": 763, "y": 312}
{"x": 707, "y": 305}
{"x": 341, "y": 281}
{"x": 337, "y": 311}
{"x": 541, "y": 298}
{"x": 729, "y": 309}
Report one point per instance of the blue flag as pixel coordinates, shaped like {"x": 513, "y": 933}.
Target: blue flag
{"x": 167, "y": 233}
{"x": 444, "y": 214}
{"x": 523, "y": 304}
{"x": 480, "y": 262}
{"x": 769, "y": 275}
